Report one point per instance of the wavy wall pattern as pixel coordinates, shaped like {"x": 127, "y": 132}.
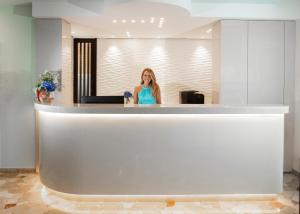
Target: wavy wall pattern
{"x": 179, "y": 64}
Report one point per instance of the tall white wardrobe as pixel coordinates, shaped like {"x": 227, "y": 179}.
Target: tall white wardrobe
{"x": 254, "y": 63}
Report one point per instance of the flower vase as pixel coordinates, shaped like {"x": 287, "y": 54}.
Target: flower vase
{"x": 46, "y": 97}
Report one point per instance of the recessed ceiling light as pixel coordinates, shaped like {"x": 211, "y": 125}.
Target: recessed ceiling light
{"x": 160, "y": 24}
{"x": 209, "y": 30}
{"x": 161, "y": 21}
{"x": 128, "y": 34}
{"x": 142, "y": 21}
{"x": 114, "y": 21}
{"x": 123, "y": 20}
{"x": 152, "y": 20}
{"x": 132, "y": 21}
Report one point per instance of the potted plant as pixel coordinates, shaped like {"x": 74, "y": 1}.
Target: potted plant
{"x": 127, "y": 97}
{"x": 45, "y": 87}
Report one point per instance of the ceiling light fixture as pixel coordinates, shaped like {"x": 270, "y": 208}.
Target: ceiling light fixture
{"x": 128, "y": 34}
{"x": 142, "y": 21}
{"x": 124, "y": 21}
{"x": 209, "y": 30}
{"x": 114, "y": 21}
{"x": 132, "y": 21}
{"x": 161, "y": 22}
{"x": 152, "y": 20}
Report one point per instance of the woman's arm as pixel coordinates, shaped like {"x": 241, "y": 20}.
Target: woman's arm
{"x": 158, "y": 97}
{"x": 135, "y": 95}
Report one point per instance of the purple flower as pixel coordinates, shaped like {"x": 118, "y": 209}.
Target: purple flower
{"x": 50, "y": 86}
{"x": 127, "y": 94}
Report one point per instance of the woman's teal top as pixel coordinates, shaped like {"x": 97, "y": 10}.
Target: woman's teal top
{"x": 145, "y": 96}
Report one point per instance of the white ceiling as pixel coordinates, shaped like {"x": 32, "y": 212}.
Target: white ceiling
{"x": 176, "y": 22}
{"x": 182, "y": 18}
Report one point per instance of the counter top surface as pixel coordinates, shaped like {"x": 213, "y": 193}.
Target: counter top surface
{"x": 161, "y": 109}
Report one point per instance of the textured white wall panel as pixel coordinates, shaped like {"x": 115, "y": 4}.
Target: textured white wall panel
{"x": 179, "y": 64}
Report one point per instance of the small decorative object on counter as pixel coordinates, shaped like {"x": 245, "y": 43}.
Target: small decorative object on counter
{"x": 45, "y": 86}
{"x": 127, "y": 97}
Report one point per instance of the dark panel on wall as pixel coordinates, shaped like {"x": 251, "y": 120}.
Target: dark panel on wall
{"x": 85, "y": 68}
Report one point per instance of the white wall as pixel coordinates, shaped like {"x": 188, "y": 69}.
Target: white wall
{"x": 17, "y": 143}
{"x": 179, "y": 64}
{"x": 48, "y": 44}
{"x": 54, "y": 53}
{"x": 17, "y": 76}
{"x": 289, "y": 92}
{"x": 296, "y": 162}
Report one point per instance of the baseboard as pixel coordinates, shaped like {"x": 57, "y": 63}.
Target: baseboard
{"x": 18, "y": 170}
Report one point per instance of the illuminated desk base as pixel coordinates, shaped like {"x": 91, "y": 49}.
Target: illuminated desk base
{"x": 161, "y": 154}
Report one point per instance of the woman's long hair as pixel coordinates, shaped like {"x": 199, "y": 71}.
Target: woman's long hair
{"x": 152, "y": 83}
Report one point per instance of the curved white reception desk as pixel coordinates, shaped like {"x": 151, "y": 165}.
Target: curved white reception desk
{"x": 96, "y": 149}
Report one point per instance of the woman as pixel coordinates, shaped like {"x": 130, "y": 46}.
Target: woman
{"x": 148, "y": 92}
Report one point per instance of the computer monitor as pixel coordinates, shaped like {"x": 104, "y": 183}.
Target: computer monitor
{"x": 103, "y": 99}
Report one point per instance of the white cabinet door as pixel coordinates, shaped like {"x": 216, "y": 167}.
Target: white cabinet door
{"x": 233, "y": 74}
{"x": 266, "y": 62}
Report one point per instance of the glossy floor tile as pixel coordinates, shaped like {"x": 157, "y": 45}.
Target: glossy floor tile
{"x": 23, "y": 193}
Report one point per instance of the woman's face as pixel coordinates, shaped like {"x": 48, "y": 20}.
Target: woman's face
{"x": 147, "y": 77}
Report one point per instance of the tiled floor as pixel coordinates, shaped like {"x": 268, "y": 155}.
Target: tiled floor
{"x": 23, "y": 193}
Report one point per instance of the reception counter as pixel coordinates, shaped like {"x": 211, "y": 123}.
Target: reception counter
{"x": 97, "y": 149}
